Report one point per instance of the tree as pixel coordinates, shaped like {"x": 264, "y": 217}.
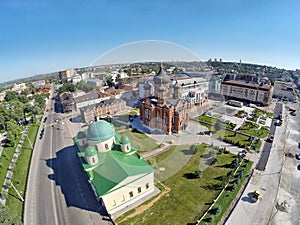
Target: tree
{"x": 39, "y": 100}
{"x": 234, "y": 163}
{"x": 10, "y": 95}
{"x": 10, "y": 139}
{"x": 217, "y": 126}
{"x": 109, "y": 81}
{"x": 82, "y": 85}
{"x": 6, "y": 218}
{"x": 198, "y": 173}
{"x": 215, "y": 210}
{"x": 35, "y": 111}
{"x": 23, "y": 98}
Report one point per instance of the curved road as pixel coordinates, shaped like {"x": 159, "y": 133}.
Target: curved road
{"x": 57, "y": 191}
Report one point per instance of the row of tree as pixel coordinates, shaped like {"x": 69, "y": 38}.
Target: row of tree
{"x": 15, "y": 111}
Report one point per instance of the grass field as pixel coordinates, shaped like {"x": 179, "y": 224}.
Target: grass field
{"x": 251, "y": 128}
{"x": 5, "y": 160}
{"x": 20, "y": 174}
{"x": 228, "y": 196}
{"x": 141, "y": 141}
{"x": 189, "y": 197}
{"x": 212, "y": 120}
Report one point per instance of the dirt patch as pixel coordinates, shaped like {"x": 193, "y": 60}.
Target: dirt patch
{"x": 144, "y": 207}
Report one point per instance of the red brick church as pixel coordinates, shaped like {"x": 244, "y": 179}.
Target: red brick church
{"x": 164, "y": 111}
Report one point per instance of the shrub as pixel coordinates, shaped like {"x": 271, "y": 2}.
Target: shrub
{"x": 233, "y": 187}
{"x": 210, "y": 219}
{"x": 216, "y": 210}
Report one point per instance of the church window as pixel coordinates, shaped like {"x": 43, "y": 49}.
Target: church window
{"x": 165, "y": 118}
{"x": 157, "y": 116}
{"x": 106, "y": 146}
{"x": 147, "y": 185}
{"x": 93, "y": 159}
{"x": 139, "y": 189}
{"x": 131, "y": 194}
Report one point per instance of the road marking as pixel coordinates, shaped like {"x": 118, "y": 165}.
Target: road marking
{"x": 53, "y": 183}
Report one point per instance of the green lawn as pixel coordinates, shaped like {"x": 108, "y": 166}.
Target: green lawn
{"x": 189, "y": 196}
{"x": 20, "y": 174}
{"x": 252, "y": 128}
{"x": 5, "y": 159}
{"x": 141, "y": 141}
{"x": 228, "y": 196}
{"x": 207, "y": 119}
{"x": 228, "y": 136}
{"x": 256, "y": 144}
{"x": 212, "y": 120}
{"x": 263, "y": 132}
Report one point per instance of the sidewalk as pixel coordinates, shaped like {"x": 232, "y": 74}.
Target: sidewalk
{"x": 10, "y": 170}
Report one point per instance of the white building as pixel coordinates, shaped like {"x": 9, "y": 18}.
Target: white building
{"x": 284, "y": 90}
{"x": 119, "y": 176}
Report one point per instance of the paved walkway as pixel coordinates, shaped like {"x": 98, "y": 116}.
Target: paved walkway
{"x": 10, "y": 170}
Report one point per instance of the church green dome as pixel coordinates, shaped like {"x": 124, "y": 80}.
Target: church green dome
{"x": 125, "y": 140}
{"x": 90, "y": 151}
{"x": 81, "y": 135}
{"x": 100, "y": 131}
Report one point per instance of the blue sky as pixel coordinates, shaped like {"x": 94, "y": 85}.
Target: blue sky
{"x": 40, "y": 36}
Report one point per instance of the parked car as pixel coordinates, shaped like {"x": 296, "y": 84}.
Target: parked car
{"x": 255, "y": 195}
{"x": 270, "y": 139}
{"x": 297, "y": 156}
{"x": 293, "y": 113}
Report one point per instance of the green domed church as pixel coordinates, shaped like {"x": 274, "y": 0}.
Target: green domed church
{"x": 118, "y": 175}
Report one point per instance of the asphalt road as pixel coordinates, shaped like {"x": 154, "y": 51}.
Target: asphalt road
{"x": 261, "y": 165}
{"x": 57, "y": 191}
{"x": 248, "y": 212}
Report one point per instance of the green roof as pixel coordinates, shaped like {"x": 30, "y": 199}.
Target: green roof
{"x": 116, "y": 167}
{"x": 125, "y": 140}
{"x": 90, "y": 151}
{"x": 100, "y": 131}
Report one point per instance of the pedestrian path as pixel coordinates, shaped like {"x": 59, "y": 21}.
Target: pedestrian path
{"x": 10, "y": 170}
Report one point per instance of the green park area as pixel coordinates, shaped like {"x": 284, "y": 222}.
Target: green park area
{"x": 260, "y": 113}
{"x": 252, "y": 128}
{"x": 190, "y": 178}
{"x": 20, "y": 174}
{"x": 212, "y": 120}
{"x": 5, "y": 159}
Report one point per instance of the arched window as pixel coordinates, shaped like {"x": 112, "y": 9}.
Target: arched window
{"x": 106, "y": 146}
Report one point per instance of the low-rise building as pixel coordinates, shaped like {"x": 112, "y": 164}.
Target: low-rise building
{"x": 67, "y": 102}
{"x": 90, "y": 98}
{"x": 284, "y": 90}
{"x": 257, "y": 93}
{"x": 118, "y": 175}
{"x": 75, "y": 78}
{"x": 103, "y": 109}
{"x": 39, "y": 83}
{"x": 95, "y": 82}
{"x": 19, "y": 87}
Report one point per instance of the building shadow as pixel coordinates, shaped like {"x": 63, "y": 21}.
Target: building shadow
{"x": 76, "y": 119}
{"x": 69, "y": 175}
